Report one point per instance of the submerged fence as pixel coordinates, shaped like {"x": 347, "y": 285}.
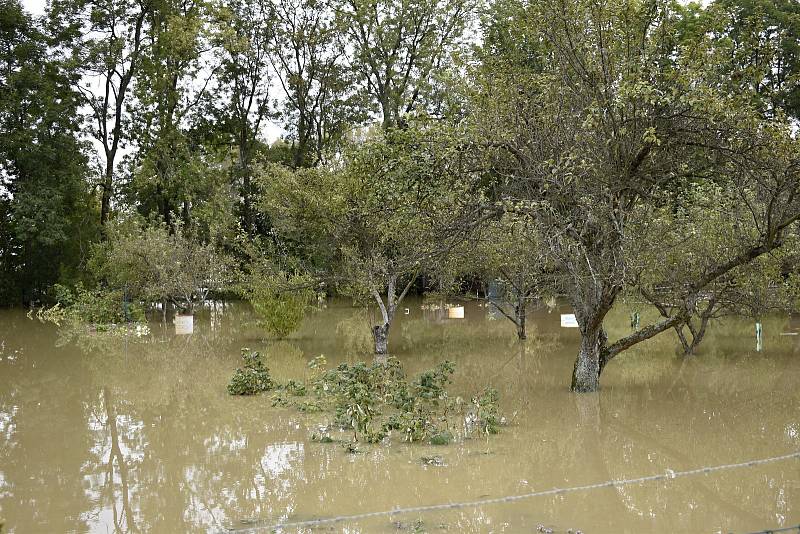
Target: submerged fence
{"x": 782, "y": 529}
{"x": 264, "y": 526}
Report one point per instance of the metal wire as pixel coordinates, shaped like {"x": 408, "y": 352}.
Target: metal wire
{"x": 773, "y": 530}
{"x": 667, "y": 475}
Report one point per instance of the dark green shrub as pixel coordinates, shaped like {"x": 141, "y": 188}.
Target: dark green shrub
{"x": 251, "y": 379}
{"x": 375, "y": 400}
{"x": 442, "y": 438}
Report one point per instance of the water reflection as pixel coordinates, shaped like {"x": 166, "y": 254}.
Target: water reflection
{"x": 137, "y": 434}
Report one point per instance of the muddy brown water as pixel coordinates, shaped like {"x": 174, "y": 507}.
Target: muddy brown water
{"x": 137, "y": 434}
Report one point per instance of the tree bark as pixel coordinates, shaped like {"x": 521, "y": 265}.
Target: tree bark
{"x": 520, "y": 312}
{"x": 380, "y": 333}
{"x": 108, "y": 184}
{"x": 589, "y": 363}
{"x": 689, "y": 348}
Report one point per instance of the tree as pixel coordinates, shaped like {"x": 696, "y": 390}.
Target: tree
{"x": 170, "y": 168}
{"x": 381, "y": 215}
{"x": 108, "y": 42}
{"x": 399, "y": 46}
{"x": 697, "y": 226}
{"x": 45, "y": 202}
{"x": 241, "y": 103}
{"x": 757, "y": 44}
{"x": 587, "y": 146}
{"x": 320, "y": 103}
{"x": 150, "y": 263}
{"x": 504, "y": 253}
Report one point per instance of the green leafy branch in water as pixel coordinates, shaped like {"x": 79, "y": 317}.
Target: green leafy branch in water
{"x": 485, "y": 414}
{"x": 252, "y": 378}
{"x": 86, "y": 314}
{"x": 374, "y": 400}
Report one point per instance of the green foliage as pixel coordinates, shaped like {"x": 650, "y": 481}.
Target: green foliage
{"x": 375, "y": 400}
{"x": 97, "y": 307}
{"x": 281, "y": 301}
{"x": 252, "y": 378}
{"x": 46, "y": 206}
{"x": 373, "y": 222}
{"x": 486, "y": 411}
{"x": 442, "y": 438}
{"x": 150, "y": 263}
{"x": 280, "y": 314}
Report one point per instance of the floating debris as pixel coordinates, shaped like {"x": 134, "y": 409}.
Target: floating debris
{"x": 436, "y": 461}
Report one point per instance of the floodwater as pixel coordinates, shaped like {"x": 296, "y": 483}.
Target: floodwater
{"x": 137, "y": 434}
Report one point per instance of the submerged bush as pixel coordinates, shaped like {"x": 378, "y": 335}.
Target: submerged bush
{"x": 97, "y": 307}
{"x": 279, "y": 315}
{"x": 375, "y": 400}
{"x": 280, "y": 301}
{"x": 486, "y": 412}
{"x": 251, "y": 379}
{"x": 442, "y": 438}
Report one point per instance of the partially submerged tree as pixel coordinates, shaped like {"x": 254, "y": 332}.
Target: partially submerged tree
{"x": 587, "y": 145}
{"x": 506, "y": 254}
{"x": 379, "y": 216}
{"x": 152, "y": 264}
{"x": 696, "y": 228}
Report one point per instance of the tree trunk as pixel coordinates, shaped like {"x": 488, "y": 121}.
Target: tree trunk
{"x": 105, "y": 202}
{"x": 589, "y": 364}
{"x": 520, "y": 313}
{"x": 380, "y": 333}
{"x": 186, "y": 215}
{"x": 687, "y": 347}
{"x": 697, "y": 333}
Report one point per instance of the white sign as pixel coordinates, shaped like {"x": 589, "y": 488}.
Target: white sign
{"x": 184, "y": 324}
{"x": 568, "y": 320}
{"x": 456, "y": 312}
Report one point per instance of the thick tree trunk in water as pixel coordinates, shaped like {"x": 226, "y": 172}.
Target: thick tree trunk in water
{"x": 380, "y": 333}
{"x": 589, "y": 365}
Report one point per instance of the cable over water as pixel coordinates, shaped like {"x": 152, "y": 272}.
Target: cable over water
{"x": 667, "y": 475}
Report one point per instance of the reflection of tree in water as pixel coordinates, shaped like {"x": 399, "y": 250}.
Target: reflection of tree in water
{"x": 41, "y": 453}
{"x": 185, "y": 454}
{"x": 169, "y": 451}
{"x": 354, "y": 332}
{"x": 124, "y": 520}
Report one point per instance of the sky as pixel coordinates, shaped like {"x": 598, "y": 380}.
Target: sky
{"x": 36, "y": 7}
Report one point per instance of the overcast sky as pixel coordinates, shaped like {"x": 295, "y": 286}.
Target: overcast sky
{"x": 34, "y": 6}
